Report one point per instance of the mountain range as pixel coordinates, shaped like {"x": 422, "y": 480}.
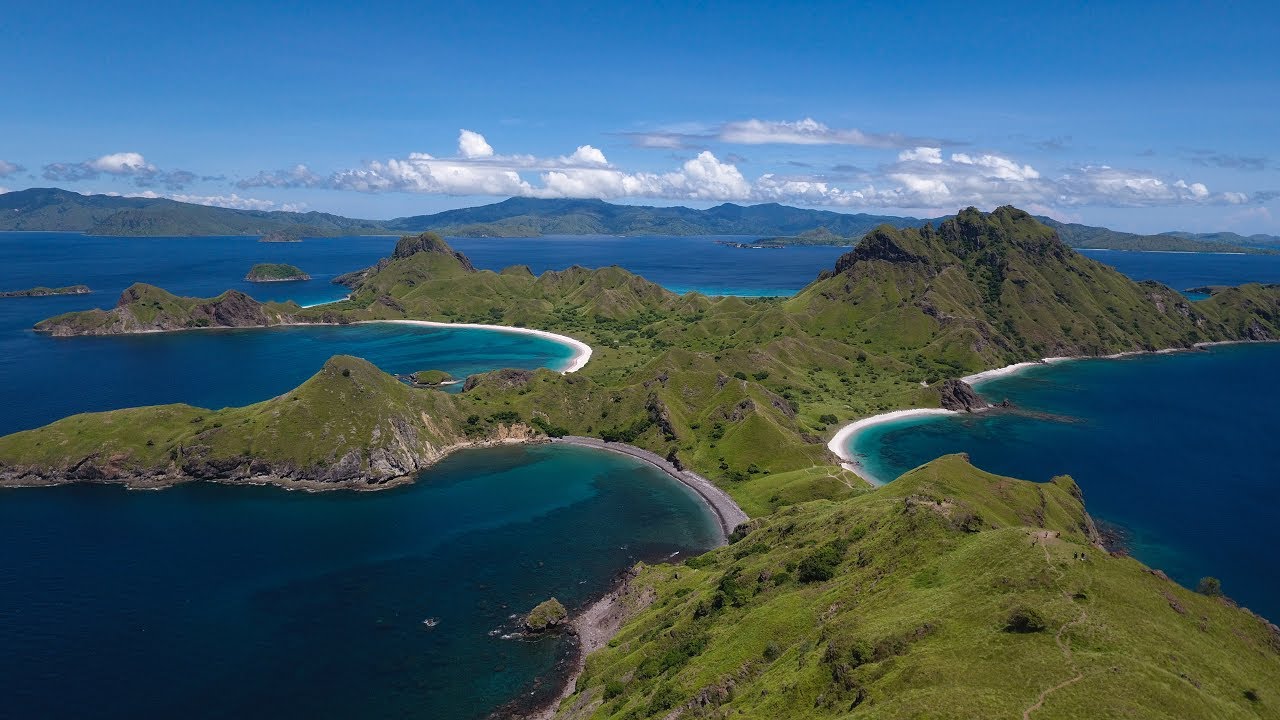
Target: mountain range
{"x": 53, "y": 209}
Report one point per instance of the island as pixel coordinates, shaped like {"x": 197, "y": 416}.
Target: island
{"x": 431, "y": 378}
{"x": 284, "y": 235}
{"x": 47, "y": 292}
{"x": 829, "y": 593}
{"x": 275, "y": 272}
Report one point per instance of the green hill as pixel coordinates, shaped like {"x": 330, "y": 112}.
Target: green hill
{"x": 275, "y": 272}
{"x": 949, "y": 593}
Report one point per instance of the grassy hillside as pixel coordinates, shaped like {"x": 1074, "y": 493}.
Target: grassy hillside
{"x": 949, "y": 593}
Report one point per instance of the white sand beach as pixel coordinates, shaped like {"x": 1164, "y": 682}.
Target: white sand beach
{"x": 842, "y": 443}
{"x": 582, "y": 351}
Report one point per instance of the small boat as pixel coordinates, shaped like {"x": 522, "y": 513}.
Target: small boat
{"x": 431, "y": 622}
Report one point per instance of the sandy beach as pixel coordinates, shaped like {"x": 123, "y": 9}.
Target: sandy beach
{"x": 842, "y": 441}
{"x": 582, "y": 351}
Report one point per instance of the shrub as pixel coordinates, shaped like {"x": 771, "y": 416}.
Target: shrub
{"x": 740, "y": 375}
{"x": 1210, "y": 586}
{"x": 1023, "y": 619}
{"x": 613, "y": 689}
{"x": 828, "y": 419}
{"x": 822, "y": 563}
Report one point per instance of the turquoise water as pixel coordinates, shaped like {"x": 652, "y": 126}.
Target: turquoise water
{"x": 1179, "y": 450}
{"x": 207, "y": 601}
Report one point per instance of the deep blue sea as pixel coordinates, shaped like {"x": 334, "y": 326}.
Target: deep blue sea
{"x": 210, "y": 601}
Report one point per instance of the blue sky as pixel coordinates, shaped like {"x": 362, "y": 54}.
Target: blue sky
{"x": 1120, "y": 115}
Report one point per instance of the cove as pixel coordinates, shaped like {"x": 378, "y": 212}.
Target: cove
{"x": 209, "y": 601}
{"x": 50, "y": 378}
{"x": 1179, "y": 450}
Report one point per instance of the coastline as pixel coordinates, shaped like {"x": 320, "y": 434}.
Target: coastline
{"x": 582, "y": 351}
{"x": 840, "y": 443}
{"x": 726, "y": 510}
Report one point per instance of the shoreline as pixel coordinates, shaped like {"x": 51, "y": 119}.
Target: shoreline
{"x": 840, "y": 443}
{"x": 725, "y": 509}
{"x": 582, "y": 351}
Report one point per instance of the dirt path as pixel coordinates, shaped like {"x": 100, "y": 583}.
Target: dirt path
{"x": 1063, "y": 645}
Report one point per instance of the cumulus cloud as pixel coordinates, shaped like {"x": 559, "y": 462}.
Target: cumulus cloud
{"x": 9, "y": 168}
{"x": 473, "y": 145}
{"x": 754, "y": 131}
{"x": 921, "y": 177}
{"x": 121, "y": 164}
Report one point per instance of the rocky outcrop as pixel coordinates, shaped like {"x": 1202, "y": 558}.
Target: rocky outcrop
{"x": 406, "y": 247}
{"x": 548, "y": 615}
{"x": 960, "y": 395}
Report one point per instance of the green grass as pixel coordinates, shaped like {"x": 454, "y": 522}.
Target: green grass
{"x": 912, "y": 622}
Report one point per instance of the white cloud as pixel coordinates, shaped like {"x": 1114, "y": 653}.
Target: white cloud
{"x": 9, "y": 168}
{"x": 473, "y": 145}
{"x": 930, "y": 155}
{"x": 123, "y": 163}
{"x": 921, "y": 178}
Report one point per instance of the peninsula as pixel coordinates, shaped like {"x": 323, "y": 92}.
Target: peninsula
{"x": 835, "y": 596}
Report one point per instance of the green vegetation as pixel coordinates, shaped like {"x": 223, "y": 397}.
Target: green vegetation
{"x": 275, "y": 272}
{"x": 546, "y": 615}
{"x": 950, "y": 592}
{"x": 42, "y": 291}
{"x": 431, "y": 377}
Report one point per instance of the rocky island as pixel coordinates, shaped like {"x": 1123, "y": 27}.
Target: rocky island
{"x": 46, "y": 292}
{"x": 275, "y": 272}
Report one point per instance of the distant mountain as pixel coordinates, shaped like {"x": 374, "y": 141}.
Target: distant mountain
{"x": 60, "y": 210}
{"x": 779, "y": 225}
{"x": 525, "y": 217}
{"x": 1086, "y": 236}
{"x": 1228, "y": 238}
